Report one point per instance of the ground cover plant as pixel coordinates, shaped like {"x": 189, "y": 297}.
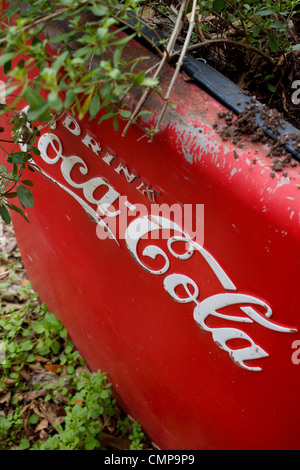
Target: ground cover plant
{"x": 255, "y": 44}
{"x": 49, "y": 399}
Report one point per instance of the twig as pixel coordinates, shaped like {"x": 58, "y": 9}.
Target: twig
{"x": 179, "y": 63}
{"x": 225, "y": 41}
{"x": 166, "y": 55}
{"x": 40, "y": 20}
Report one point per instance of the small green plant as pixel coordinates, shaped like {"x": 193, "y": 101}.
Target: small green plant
{"x": 41, "y": 371}
{"x": 137, "y": 437}
{"x": 264, "y": 25}
{"x": 90, "y": 399}
{"x": 81, "y": 70}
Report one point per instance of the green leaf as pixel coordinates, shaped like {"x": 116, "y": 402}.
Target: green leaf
{"x": 218, "y": 5}
{"x": 278, "y": 25}
{"x": 18, "y": 157}
{"x": 38, "y": 327}
{"x": 106, "y": 116}
{"x": 123, "y": 41}
{"x": 10, "y": 195}
{"x": 99, "y": 10}
{"x": 18, "y": 210}
{"x": 61, "y": 37}
{"x": 116, "y": 124}
{"x": 55, "y": 347}
{"x": 7, "y": 57}
{"x": 95, "y": 106}
{"x": 5, "y": 215}
{"x": 296, "y": 47}
{"x": 274, "y": 45}
{"x": 69, "y": 347}
{"x": 26, "y": 345}
{"x": 41, "y": 112}
{"x": 54, "y": 101}
{"x": 33, "y": 419}
{"x": 25, "y": 196}
{"x": 24, "y": 444}
{"x": 70, "y": 97}
{"x": 265, "y": 12}
{"x": 125, "y": 113}
{"x": 90, "y": 443}
{"x": 39, "y": 108}
{"x": 59, "y": 61}
{"x": 271, "y": 88}
{"x": 27, "y": 182}
{"x": 149, "y": 82}
{"x": 35, "y": 151}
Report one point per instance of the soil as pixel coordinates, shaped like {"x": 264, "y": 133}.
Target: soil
{"x": 245, "y": 124}
{"x": 246, "y": 70}
{"x": 251, "y": 76}
{"x": 249, "y": 72}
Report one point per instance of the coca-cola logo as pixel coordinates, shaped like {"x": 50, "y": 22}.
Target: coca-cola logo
{"x": 140, "y": 228}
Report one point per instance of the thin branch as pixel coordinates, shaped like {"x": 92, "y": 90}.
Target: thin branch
{"x": 40, "y": 20}
{"x": 166, "y": 55}
{"x": 226, "y": 41}
{"x": 191, "y": 20}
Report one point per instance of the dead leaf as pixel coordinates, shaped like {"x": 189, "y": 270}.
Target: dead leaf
{"x": 55, "y": 368}
{"x": 25, "y": 408}
{"x": 111, "y": 442}
{"x": 49, "y": 413}
{"x": 39, "y": 359}
{"x": 44, "y": 377}
{"x": 78, "y": 402}
{"x": 5, "y": 397}
{"x": 27, "y": 428}
{"x": 186, "y": 77}
{"x": 43, "y": 435}
{"x": 8, "y": 297}
{"x": 148, "y": 14}
{"x": 35, "y": 409}
{"x": 24, "y": 373}
{"x": 11, "y": 245}
{"x": 43, "y": 424}
{"x": 3, "y": 271}
{"x": 9, "y": 382}
{"x": 34, "y": 394}
{"x": 13, "y": 306}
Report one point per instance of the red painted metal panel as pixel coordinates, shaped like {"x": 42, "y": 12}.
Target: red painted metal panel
{"x": 161, "y": 325}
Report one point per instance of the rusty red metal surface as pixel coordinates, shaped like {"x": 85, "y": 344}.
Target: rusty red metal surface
{"x": 199, "y": 338}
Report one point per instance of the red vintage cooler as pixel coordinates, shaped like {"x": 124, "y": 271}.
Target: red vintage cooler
{"x": 174, "y": 267}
